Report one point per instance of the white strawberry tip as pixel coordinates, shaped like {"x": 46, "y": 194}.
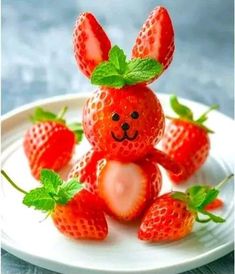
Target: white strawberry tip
{"x": 123, "y": 187}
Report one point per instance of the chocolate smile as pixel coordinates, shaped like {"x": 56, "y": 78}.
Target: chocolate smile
{"x": 125, "y": 136}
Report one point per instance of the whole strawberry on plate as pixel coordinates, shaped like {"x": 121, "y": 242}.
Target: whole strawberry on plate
{"x": 172, "y": 215}
{"x": 50, "y": 143}
{"x": 76, "y": 212}
{"x": 186, "y": 140}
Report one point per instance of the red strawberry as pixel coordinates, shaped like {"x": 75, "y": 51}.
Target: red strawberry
{"x": 216, "y": 204}
{"x": 123, "y": 133}
{"x": 85, "y": 169}
{"x": 76, "y": 213}
{"x": 154, "y": 178}
{"x": 127, "y": 188}
{"x": 164, "y": 160}
{"x": 167, "y": 219}
{"x": 172, "y": 215}
{"x": 91, "y": 44}
{"x": 49, "y": 143}
{"x": 186, "y": 140}
{"x": 81, "y": 217}
{"x": 156, "y": 38}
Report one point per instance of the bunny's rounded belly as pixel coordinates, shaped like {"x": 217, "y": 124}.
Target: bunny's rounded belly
{"x": 128, "y": 188}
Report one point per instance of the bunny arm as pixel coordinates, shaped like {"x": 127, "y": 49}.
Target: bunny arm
{"x": 165, "y": 160}
{"x": 91, "y": 164}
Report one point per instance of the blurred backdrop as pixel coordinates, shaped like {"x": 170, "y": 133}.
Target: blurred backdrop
{"x": 38, "y": 61}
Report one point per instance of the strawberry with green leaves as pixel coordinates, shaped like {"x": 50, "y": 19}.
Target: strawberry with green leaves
{"x": 172, "y": 215}
{"x": 50, "y": 142}
{"x": 186, "y": 140}
{"x": 75, "y": 212}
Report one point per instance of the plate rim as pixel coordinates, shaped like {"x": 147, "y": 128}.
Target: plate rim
{"x": 200, "y": 260}
{"x": 197, "y": 261}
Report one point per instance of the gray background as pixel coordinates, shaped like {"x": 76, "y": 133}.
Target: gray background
{"x": 38, "y": 62}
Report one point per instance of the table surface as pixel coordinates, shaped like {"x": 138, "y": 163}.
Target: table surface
{"x": 38, "y": 61}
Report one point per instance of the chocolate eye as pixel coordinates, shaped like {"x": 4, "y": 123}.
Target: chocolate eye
{"x": 135, "y": 115}
{"x": 115, "y": 117}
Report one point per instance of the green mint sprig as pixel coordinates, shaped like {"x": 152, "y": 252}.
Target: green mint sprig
{"x": 197, "y": 197}
{"x": 118, "y": 72}
{"x": 53, "y": 191}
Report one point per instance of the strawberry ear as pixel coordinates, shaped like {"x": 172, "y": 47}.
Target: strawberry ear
{"x": 91, "y": 44}
{"x": 156, "y": 38}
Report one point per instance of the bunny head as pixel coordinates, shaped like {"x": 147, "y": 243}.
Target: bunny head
{"x": 124, "y": 118}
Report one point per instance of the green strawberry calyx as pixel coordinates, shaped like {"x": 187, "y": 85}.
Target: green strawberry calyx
{"x": 53, "y": 191}
{"x": 197, "y": 197}
{"x": 41, "y": 115}
{"x": 118, "y": 72}
{"x": 186, "y": 113}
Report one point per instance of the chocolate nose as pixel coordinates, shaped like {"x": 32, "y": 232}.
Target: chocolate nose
{"x": 125, "y": 126}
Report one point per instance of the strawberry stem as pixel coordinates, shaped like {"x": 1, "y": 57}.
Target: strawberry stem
{"x": 212, "y": 107}
{"x": 203, "y": 117}
{"x": 224, "y": 181}
{"x": 202, "y": 221}
{"x": 12, "y": 183}
{"x": 62, "y": 112}
{"x": 169, "y": 117}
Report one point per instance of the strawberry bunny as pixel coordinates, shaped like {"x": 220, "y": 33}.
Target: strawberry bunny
{"x": 123, "y": 120}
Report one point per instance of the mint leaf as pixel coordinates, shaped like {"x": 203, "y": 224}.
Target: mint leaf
{"x": 182, "y": 110}
{"x": 196, "y": 201}
{"x": 141, "y": 70}
{"x": 118, "y": 58}
{"x": 50, "y": 180}
{"x": 211, "y": 195}
{"x": 39, "y": 199}
{"x": 117, "y": 72}
{"x": 77, "y": 130}
{"x": 106, "y": 74}
{"x": 68, "y": 190}
{"x": 197, "y": 195}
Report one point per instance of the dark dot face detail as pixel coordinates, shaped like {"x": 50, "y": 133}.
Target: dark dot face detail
{"x": 115, "y": 117}
{"x": 134, "y": 115}
{"x": 125, "y": 126}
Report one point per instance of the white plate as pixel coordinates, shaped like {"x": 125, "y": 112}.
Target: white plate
{"x": 24, "y": 235}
